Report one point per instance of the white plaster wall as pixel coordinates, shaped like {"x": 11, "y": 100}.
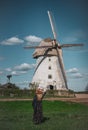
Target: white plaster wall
{"x": 42, "y": 72}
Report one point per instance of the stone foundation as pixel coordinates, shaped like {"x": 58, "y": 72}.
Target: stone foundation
{"x": 60, "y": 93}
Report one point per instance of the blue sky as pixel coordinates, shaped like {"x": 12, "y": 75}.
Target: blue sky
{"x": 25, "y": 22}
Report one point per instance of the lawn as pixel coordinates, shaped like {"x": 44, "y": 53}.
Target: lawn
{"x": 17, "y": 115}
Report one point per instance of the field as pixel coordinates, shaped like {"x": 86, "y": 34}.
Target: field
{"x": 58, "y": 115}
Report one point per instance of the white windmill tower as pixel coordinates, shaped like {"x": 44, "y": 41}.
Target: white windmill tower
{"x": 49, "y": 71}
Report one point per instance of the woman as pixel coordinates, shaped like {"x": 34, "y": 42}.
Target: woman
{"x": 37, "y": 106}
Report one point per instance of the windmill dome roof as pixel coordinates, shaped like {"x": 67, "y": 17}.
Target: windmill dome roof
{"x": 45, "y": 50}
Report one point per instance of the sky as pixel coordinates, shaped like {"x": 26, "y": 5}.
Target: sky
{"x": 26, "y": 22}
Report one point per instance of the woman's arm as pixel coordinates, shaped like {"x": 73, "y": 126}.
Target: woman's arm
{"x": 43, "y": 95}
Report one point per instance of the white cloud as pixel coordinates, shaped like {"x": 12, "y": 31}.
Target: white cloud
{"x": 23, "y": 72}
{"x": 74, "y": 73}
{"x": 15, "y": 73}
{"x": 17, "y": 41}
{"x": 76, "y": 76}
{"x": 73, "y": 70}
{"x": 12, "y": 41}
{"x": 19, "y": 69}
{"x": 33, "y": 39}
{"x": 8, "y": 69}
{"x": 23, "y": 67}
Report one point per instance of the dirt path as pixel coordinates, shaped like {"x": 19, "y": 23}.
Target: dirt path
{"x": 80, "y": 98}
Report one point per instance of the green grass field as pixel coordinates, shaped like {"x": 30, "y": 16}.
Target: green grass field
{"x": 17, "y": 115}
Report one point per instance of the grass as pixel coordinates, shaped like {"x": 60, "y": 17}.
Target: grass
{"x": 17, "y": 115}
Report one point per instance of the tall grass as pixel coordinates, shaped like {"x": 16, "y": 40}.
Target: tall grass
{"x": 17, "y": 115}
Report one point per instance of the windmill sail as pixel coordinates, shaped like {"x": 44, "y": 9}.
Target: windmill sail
{"x": 58, "y": 51}
{"x": 52, "y": 25}
{"x": 62, "y": 67}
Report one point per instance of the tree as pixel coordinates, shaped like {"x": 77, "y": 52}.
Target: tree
{"x": 9, "y": 77}
{"x": 33, "y": 86}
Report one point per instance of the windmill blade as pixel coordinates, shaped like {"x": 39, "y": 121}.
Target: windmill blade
{"x": 70, "y": 45}
{"x": 39, "y": 63}
{"x": 62, "y": 67}
{"x": 52, "y": 25}
{"x": 31, "y": 47}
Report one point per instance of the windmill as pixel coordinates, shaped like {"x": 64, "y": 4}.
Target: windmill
{"x": 49, "y": 72}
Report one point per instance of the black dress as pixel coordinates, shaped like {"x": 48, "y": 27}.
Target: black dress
{"x": 37, "y": 107}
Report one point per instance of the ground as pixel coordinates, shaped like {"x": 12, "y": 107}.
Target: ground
{"x": 79, "y": 98}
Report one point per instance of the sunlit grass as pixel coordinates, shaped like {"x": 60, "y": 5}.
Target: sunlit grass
{"x": 17, "y": 115}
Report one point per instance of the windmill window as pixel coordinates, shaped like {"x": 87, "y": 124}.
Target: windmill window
{"x": 49, "y": 76}
{"x": 49, "y": 67}
{"x": 49, "y": 59}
